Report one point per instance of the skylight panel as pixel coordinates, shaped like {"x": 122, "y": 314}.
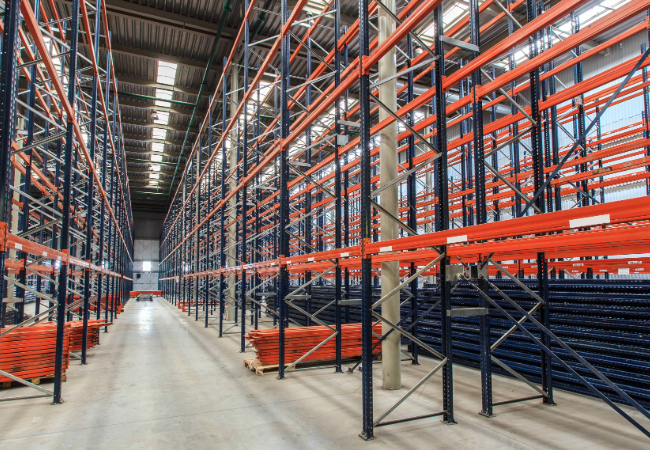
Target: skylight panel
{"x": 157, "y": 147}
{"x": 163, "y": 118}
{"x": 265, "y": 88}
{"x": 166, "y": 73}
{"x": 452, "y": 14}
{"x": 590, "y": 15}
{"x": 156, "y": 158}
{"x": 613, "y": 3}
{"x": 159, "y": 133}
{"x": 164, "y": 94}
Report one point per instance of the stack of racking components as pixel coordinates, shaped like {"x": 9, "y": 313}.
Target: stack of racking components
{"x": 508, "y": 170}
{"x": 66, "y": 229}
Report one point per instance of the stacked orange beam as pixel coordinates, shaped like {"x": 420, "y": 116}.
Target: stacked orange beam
{"x": 300, "y": 340}
{"x": 134, "y": 294}
{"x": 106, "y": 304}
{"x": 76, "y": 333}
{"x": 30, "y": 352}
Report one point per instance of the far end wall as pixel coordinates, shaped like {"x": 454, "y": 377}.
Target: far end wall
{"x": 146, "y": 244}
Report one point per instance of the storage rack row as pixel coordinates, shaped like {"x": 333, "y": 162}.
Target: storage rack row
{"x": 501, "y": 171}
{"x": 66, "y": 228}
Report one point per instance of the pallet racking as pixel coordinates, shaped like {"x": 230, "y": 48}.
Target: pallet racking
{"x": 502, "y": 163}
{"x": 65, "y": 213}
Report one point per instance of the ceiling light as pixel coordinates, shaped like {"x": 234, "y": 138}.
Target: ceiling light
{"x": 155, "y": 167}
{"x": 156, "y": 158}
{"x": 157, "y": 147}
{"x": 154, "y": 175}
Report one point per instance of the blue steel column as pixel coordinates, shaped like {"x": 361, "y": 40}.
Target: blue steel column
{"x": 283, "y": 250}
{"x": 481, "y": 209}
{"x": 495, "y": 157}
{"x": 244, "y": 196}
{"x": 538, "y": 179}
{"x": 346, "y": 184}
{"x": 197, "y": 215}
{"x": 27, "y": 182}
{"x": 337, "y": 184}
{"x": 546, "y": 130}
{"x": 646, "y": 126}
{"x": 442, "y": 217}
{"x": 367, "y": 432}
{"x": 222, "y": 255}
{"x": 67, "y": 188}
{"x": 514, "y": 147}
{"x": 208, "y": 238}
{"x": 308, "y": 222}
{"x": 90, "y": 195}
{"x": 110, "y": 255}
{"x": 8, "y": 94}
{"x": 579, "y": 118}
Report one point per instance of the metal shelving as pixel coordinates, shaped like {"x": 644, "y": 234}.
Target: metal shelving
{"x": 502, "y": 166}
{"x": 65, "y": 214}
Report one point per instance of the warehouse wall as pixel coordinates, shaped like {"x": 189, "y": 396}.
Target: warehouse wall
{"x": 146, "y": 244}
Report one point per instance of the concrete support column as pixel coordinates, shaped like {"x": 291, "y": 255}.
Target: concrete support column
{"x": 388, "y": 161}
{"x": 232, "y": 159}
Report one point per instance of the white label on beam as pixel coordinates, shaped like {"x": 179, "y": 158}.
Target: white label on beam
{"x": 589, "y": 221}
{"x": 44, "y": 253}
{"x": 624, "y": 271}
{"x": 19, "y": 246}
{"x": 346, "y": 254}
{"x": 310, "y": 259}
{"x": 457, "y": 239}
{"x": 288, "y": 262}
{"x": 386, "y": 249}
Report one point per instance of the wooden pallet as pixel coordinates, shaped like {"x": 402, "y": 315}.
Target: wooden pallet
{"x": 33, "y": 380}
{"x": 254, "y": 365}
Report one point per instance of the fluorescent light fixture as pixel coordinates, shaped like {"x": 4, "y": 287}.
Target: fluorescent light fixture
{"x": 158, "y": 147}
{"x": 155, "y": 167}
{"x": 155, "y": 176}
{"x": 156, "y": 158}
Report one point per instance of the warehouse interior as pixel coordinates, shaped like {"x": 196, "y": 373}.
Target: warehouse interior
{"x": 325, "y": 224}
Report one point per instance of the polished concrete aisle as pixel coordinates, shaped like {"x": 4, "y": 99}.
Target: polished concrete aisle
{"x": 160, "y": 380}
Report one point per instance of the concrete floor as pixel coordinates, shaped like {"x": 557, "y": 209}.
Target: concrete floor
{"x": 159, "y": 380}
